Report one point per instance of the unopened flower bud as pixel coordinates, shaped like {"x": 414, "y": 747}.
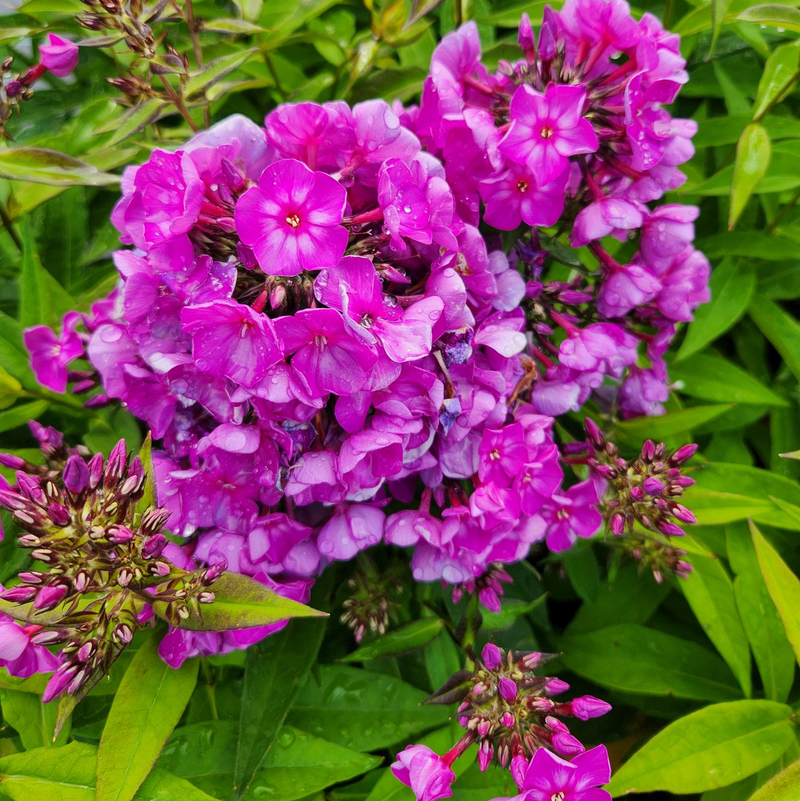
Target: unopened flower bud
{"x": 119, "y": 534}
{"x": 59, "y": 681}
{"x": 617, "y": 524}
{"x": 670, "y": 529}
{"x": 115, "y": 467}
{"x": 519, "y": 768}
{"x": 12, "y": 462}
{"x": 594, "y": 433}
{"x": 492, "y": 656}
{"x": 485, "y": 754}
{"x": 683, "y": 455}
{"x": 652, "y": 486}
{"x": 58, "y": 513}
{"x": 567, "y": 745}
{"x": 683, "y": 514}
{"x": 86, "y": 650}
{"x": 153, "y": 546}
{"x": 648, "y": 450}
{"x": 556, "y": 686}
{"x": 50, "y": 597}
{"x": 507, "y": 719}
{"x": 18, "y": 595}
{"x": 214, "y": 572}
{"x": 95, "y": 468}
{"x": 530, "y": 661}
{"x": 637, "y": 494}
{"x": 507, "y": 688}
{"x": 75, "y": 475}
{"x": 206, "y": 597}
{"x": 587, "y": 706}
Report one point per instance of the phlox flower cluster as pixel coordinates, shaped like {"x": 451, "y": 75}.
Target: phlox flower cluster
{"x": 331, "y": 351}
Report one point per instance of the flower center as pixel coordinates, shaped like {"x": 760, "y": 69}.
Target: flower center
{"x": 546, "y": 132}
{"x": 366, "y": 321}
{"x": 562, "y": 514}
{"x": 557, "y": 797}
{"x": 522, "y": 186}
{"x": 293, "y": 220}
{"x": 494, "y": 455}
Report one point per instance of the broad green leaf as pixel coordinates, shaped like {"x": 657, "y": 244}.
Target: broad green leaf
{"x": 409, "y": 637}
{"x": 668, "y": 425}
{"x": 13, "y": 355}
{"x": 709, "y": 591}
{"x": 783, "y": 586}
{"x": 10, "y": 388}
{"x": 20, "y": 414}
{"x": 732, "y": 284}
{"x": 511, "y": 609}
{"x": 146, "y": 708}
{"x": 753, "y": 153}
{"x": 250, "y": 9}
{"x": 738, "y": 791}
{"x": 442, "y": 660}
{"x": 710, "y": 748}
{"x": 138, "y": 118}
{"x": 296, "y": 766}
{"x": 34, "y": 721}
{"x": 33, "y": 684}
{"x": 780, "y": 73}
{"x": 41, "y": 166}
{"x": 780, "y": 16}
{"x": 713, "y": 378}
{"x": 215, "y": 71}
{"x": 282, "y": 19}
{"x": 349, "y": 707}
{"x": 43, "y": 301}
{"x": 780, "y": 328}
{"x": 274, "y": 672}
{"x": 242, "y": 603}
{"x": 636, "y": 659}
{"x": 68, "y": 774}
{"x": 785, "y": 786}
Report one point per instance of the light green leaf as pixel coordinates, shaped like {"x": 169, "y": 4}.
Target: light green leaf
{"x": 780, "y": 328}
{"x": 297, "y": 766}
{"x": 713, "y": 378}
{"x": 709, "y": 591}
{"x": 20, "y": 414}
{"x": 719, "y": 8}
{"x": 41, "y": 166}
{"x": 775, "y": 14}
{"x": 138, "y": 118}
{"x": 785, "y": 786}
{"x": 348, "y": 706}
{"x": 409, "y": 637}
{"x": 710, "y": 748}
{"x": 232, "y": 26}
{"x": 242, "y": 603}
{"x": 34, "y": 721}
{"x": 282, "y": 19}
{"x": 668, "y": 425}
{"x": 147, "y": 707}
{"x": 215, "y": 71}
{"x": 732, "y": 284}
{"x": 783, "y": 586}
{"x": 148, "y": 498}
{"x": 780, "y": 73}
{"x": 68, "y": 774}
{"x": 511, "y": 609}
{"x": 636, "y": 659}
{"x": 274, "y": 672}
{"x": 752, "y": 159}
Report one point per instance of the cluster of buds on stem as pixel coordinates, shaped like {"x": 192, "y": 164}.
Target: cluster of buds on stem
{"x": 644, "y": 491}
{"x": 97, "y": 549}
{"x": 488, "y": 587}
{"x": 509, "y": 711}
{"x": 373, "y": 600}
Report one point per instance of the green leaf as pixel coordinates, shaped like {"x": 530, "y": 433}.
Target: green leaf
{"x": 709, "y": 591}
{"x": 282, "y": 19}
{"x": 148, "y": 498}
{"x": 732, "y": 284}
{"x": 43, "y": 301}
{"x": 20, "y": 414}
{"x": 668, "y": 425}
{"x": 442, "y": 660}
{"x": 783, "y": 586}
{"x": 780, "y": 73}
{"x": 710, "y": 748}
{"x": 68, "y": 774}
{"x": 719, "y": 8}
{"x": 765, "y": 632}
{"x": 41, "y": 166}
{"x": 146, "y": 708}
{"x": 409, "y": 637}
{"x": 215, "y": 71}
{"x": 775, "y": 14}
{"x": 13, "y": 355}
{"x": 232, "y": 26}
{"x": 752, "y": 159}
{"x": 349, "y": 707}
{"x": 297, "y": 766}
{"x": 274, "y": 672}
{"x": 511, "y": 609}
{"x": 242, "y": 603}
{"x": 636, "y": 659}
{"x": 780, "y": 328}
{"x": 785, "y": 786}
{"x": 138, "y": 118}
{"x": 34, "y": 721}
{"x": 713, "y": 378}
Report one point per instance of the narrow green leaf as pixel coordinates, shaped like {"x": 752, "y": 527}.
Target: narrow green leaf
{"x": 709, "y": 591}
{"x": 732, "y": 284}
{"x": 775, "y": 14}
{"x": 232, "y": 26}
{"x": 41, "y": 166}
{"x": 636, "y": 659}
{"x": 511, "y": 609}
{"x": 785, "y": 786}
{"x": 780, "y": 328}
{"x": 20, "y": 414}
{"x": 783, "y": 586}
{"x": 146, "y": 708}
{"x": 668, "y": 425}
{"x": 34, "y": 721}
{"x": 409, "y": 637}
{"x": 710, "y": 748}
{"x": 215, "y": 71}
{"x": 442, "y": 660}
{"x": 780, "y": 73}
{"x": 148, "y": 498}
{"x": 138, "y": 118}
{"x": 242, "y": 603}
{"x": 348, "y": 706}
{"x": 274, "y": 672}
{"x": 719, "y": 8}
{"x": 297, "y": 766}
{"x": 753, "y": 153}
{"x": 68, "y": 774}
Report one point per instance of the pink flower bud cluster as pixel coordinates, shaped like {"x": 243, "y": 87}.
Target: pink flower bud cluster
{"x": 509, "y": 714}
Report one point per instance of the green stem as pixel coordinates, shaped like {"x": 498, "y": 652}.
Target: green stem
{"x": 8, "y": 224}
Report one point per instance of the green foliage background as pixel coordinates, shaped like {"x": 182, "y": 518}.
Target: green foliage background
{"x": 701, "y": 672}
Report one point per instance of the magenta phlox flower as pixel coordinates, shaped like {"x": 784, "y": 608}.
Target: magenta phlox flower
{"x": 369, "y": 457}
{"x": 668, "y": 230}
{"x": 647, "y": 124}
{"x": 572, "y": 514}
{"x": 51, "y": 354}
{"x": 18, "y": 655}
{"x": 502, "y": 454}
{"x": 425, "y": 772}
{"x": 599, "y": 347}
{"x": 109, "y": 350}
{"x": 627, "y": 287}
{"x": 503, "y": 333}
{"x": 315, "y": 477}
{"x": 327, "y": 356}
{"x": 684, "y": 285}
{"x": 547, "y": 129}
{"x": 351, "y": 529}
{"x": 58, "y": 55}
{"x": 609, "y": 216}
{"x": 292, "y": 219}
{"x": 297, "y": 130}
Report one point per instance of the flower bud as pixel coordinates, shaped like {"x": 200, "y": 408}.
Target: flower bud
{"x": 491, "y": 656}
{"x": 50, "y": 597}
{"x": 59, "y": 681}
{"x": 507, "y": 688}
{"x": 587, "y": 706}
{"x": 12, "y": 462}
{"x": 485, "y": 754}
{"x": 556, "y": 686}
{"x": 670, "y": 529}
{"x": 652, "y": 486}
{"x": 617, "y": 524}
{"x": 683, "y": 455}
{"x": 683, "y": 514}
{"x": 75, "y": 475}
{"x": 567, "y": 745}
{"x": 18, "y": 595}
